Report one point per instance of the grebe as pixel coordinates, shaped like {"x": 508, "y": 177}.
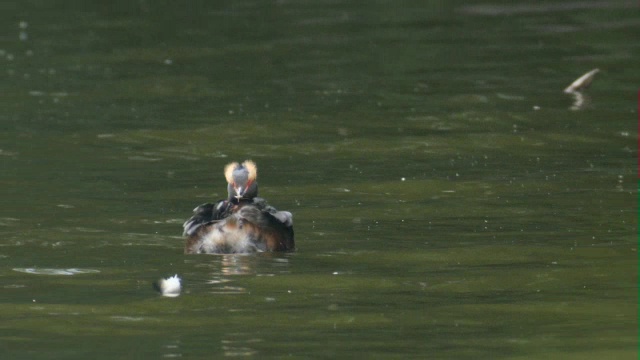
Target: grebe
{"x": 243, "y": 223}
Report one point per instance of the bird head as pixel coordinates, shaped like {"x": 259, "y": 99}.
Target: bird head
{"x": 242, "y": 180}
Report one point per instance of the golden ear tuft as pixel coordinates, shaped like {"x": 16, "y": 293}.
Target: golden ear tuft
{"x": 228, "y": 171}
{"x": 252, "y": 168}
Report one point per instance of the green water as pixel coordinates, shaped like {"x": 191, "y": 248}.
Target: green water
{"x": 449, "y": 200}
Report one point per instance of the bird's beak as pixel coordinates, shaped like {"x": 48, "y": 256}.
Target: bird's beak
{"x": 241, "y": 190}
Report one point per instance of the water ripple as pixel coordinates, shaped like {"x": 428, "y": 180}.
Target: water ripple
{"x": 53, "y": 271}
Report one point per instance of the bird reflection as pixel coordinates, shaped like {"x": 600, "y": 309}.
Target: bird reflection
{"x": 236, "y": 265}
{"x": 224, "y": 270}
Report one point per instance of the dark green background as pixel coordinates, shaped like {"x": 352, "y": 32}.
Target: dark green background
{"x": 448, "y": 201}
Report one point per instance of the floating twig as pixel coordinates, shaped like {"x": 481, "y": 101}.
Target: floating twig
{"x": 582, "y": 82}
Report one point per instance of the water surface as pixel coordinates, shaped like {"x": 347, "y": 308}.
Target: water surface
{"x": 449, "y": 200}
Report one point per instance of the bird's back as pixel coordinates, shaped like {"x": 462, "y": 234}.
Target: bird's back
{"x": 241, "y": 228}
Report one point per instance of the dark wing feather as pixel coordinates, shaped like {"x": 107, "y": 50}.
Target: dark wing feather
{"x": 204, "y": 215}
{"x": 282, "y": 222}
